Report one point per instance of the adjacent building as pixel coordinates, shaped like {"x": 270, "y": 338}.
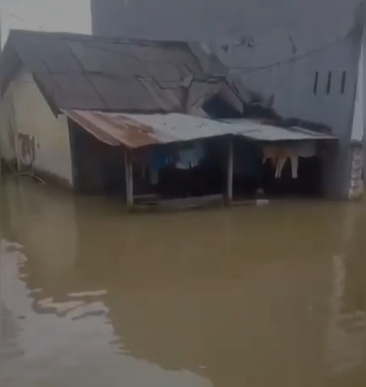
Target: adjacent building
{"x": 298, "y": 64}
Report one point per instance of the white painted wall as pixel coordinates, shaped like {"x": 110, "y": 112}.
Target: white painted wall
{"x": 24, "y": 111}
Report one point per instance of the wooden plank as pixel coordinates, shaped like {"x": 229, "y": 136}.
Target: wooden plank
{"x": 129, "y": 181}
{"x": 230, "y": 171}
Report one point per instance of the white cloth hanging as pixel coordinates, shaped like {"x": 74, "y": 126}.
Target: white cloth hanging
{"x": 279, "y": 155}
{"x": 190, "y": 157}
{"x": 154, "y": 176}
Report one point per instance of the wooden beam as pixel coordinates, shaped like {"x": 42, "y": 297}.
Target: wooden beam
{"x": 230, "y": 171}
{"x": 129, "y": 181}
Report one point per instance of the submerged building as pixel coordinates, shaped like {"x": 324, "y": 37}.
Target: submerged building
{"x": 147, "y": 121}
{"x": 47, "y": 78}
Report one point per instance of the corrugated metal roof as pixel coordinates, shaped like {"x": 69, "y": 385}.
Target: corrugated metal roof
{"x": 139, "y": 130}
{"x": 265, "y": 132}
{"x": 107, "y": 74}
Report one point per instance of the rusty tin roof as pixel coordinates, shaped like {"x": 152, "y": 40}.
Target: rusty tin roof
{"x": 140, "y": 130}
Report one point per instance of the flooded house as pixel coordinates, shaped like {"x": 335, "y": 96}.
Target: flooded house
{"x": 63, "y": 96}
{"x": 145, "y": 120}
{"x": 310, "y": 72}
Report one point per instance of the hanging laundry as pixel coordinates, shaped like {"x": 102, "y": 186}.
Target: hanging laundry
{"x": 154, "y": 176}
{"x": 272, "y": 153}
{"x": 190, "y": 157}
{"x": 279, "y": 155}
{"x": 159, "y": 158}
{"x": 294, "y": 166}
{"x": 304, "y": 149}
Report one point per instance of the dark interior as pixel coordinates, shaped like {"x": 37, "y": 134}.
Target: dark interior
{"x": 258, "y": 179}
{"x": 205, "y": 179}
{"x": 308, "y": 182}
{"x": 99, "y": 169}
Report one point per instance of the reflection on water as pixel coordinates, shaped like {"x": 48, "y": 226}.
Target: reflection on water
{"x": 271, "y": 296}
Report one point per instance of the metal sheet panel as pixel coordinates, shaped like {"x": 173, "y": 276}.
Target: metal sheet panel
{"x": 113, "y": 92}
{"x": 57, "y": 56}
{"x": 113, "y": 129}
{"x": 108, "y": 59}
{"x": 139, "y": 130}
{"x": 200, "y": 92}
{"x": 265, "y": 132}
{"x": 167, "y": 98}
{"x": 180, "y": 127}
{"x": 177, "y": 127}
{"x": 75, "y": 91}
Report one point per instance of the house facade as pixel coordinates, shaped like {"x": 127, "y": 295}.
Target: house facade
{"x": 51, "y": 84}
{"x": 307, "y": 70}
{"x": 32, "y": 137}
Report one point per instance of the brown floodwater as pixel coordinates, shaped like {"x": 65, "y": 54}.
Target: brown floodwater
{"x": 270, "y": 296}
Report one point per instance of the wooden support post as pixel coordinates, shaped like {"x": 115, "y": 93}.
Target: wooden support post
{"x": 230, "y": 170}
{"x": 129, "y": 181}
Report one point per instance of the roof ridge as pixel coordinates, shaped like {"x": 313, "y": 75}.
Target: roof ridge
{"x": 101, "y": 38}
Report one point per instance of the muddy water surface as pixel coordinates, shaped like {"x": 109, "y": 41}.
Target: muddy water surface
{"x": 260, "y": 297}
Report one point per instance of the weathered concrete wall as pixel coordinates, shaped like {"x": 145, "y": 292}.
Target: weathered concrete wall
{"x": 356, "y": 186}
{"x": 30, "y": 133}
{"x": 291, "y": 82}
